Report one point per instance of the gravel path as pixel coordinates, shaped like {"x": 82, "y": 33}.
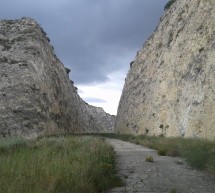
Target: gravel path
{"x": 164, "y": 175}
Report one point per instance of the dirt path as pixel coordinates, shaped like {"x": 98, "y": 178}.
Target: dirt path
{"x": 164, "y": 175}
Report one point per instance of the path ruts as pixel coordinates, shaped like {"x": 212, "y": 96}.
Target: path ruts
{"x": 164, "y": 175}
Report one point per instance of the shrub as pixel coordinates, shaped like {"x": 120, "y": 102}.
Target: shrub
{"x": 199, "y": 153}
{"x": 67, "y": 70}
{"x": 168, "y": 5}
{"x": 211, "y": 164}
{"x": 197, "y": 158}
{"x": 149, "y": 159}
{"x": 162, "y": 152}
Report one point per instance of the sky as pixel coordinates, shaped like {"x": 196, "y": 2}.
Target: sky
{"x": 96, "y": 39}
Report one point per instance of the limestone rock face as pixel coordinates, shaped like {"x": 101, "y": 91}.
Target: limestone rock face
{"x": 98, "y": 120}
{"x": 170, "y": 87}
{"x": 36, "y": 95}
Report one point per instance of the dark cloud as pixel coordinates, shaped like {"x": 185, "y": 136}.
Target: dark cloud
{"x": 94, "y": 100}
{"x": 90, "y": 36}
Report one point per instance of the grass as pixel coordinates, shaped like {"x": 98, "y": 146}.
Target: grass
{"x": 198, "y": 153}
{"x": 173, "y": 191}
{"x": 149, "y": 159}
{"x": 81, "y": 164}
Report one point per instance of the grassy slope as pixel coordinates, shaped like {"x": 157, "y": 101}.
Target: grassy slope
{"x": 198, "y": 153}
{"x": 56, "y": 165}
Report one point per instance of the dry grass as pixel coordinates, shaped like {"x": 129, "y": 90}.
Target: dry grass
{"x": 56, "y": 165}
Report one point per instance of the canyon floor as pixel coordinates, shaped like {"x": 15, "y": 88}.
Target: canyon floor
{"x": 163, "y": 175}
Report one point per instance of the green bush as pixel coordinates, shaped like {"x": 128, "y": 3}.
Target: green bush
{"x": 197, "y": 158}
{"x": 168, "y": 5}
{"x": 67, "y": 70}
{"x": 199, "y": 153}
{"x": 149, "y": 159}
{"x": 162, "y": 152}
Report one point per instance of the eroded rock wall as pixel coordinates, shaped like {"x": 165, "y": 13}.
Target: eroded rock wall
{"x": 170, "y": 87}
{"x": 36, "y": 95}
{"x": 97, "y": 119}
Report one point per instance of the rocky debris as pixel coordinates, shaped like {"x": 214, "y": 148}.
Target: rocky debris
{"x": 170, "y": 87}
{"x": 37, "y": 96}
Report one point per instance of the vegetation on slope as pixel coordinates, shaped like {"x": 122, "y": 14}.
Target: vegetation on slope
{"x": 169, "y": 3}
{"x": 198, "y": 153}
{"x": 56, "y": 165}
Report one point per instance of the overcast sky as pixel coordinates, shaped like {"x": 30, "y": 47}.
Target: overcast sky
{"x": 96, "y": 39}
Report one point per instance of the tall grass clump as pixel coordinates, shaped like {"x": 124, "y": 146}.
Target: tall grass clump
{"x": 198, "y": 153}
{"x": 57, "y": 165}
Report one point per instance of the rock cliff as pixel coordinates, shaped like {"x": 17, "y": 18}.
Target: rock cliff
{"x": 37, "y": 96}
{"x": 170, "y": 87}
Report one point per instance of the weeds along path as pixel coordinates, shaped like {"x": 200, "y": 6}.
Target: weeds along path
{"x": 163, "y": 175}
